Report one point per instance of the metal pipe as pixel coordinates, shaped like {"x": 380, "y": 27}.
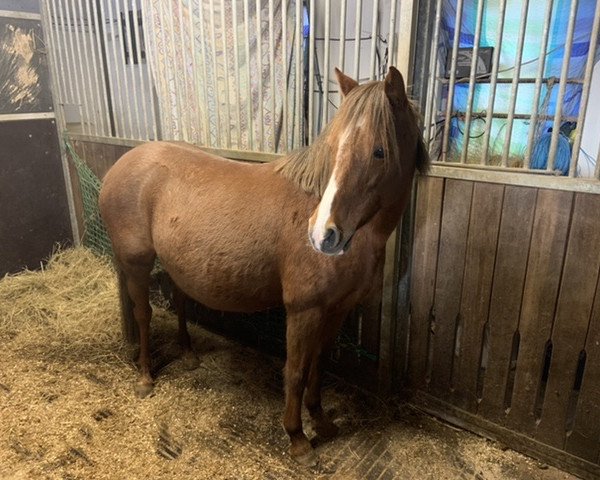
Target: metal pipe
{"x": 392, "y": 34}
{"x": 325, "y": 118}
{"x": 259, "y": 63}
{"x": 311, "y": 72}
{"x": 236, "y": 54}
{"x": 250, "y": 99}
{"x": 203, "y": 87}
{"x": 299, "y": 76}
{"x": 564, "y": 73}
{"x": 117, "y": 120}
{"x": 515, "y": 83}
{"x": 374, "y": 39}
{"x": 538, "y": 83}
{"x": 226, "y": 76}
{"x": 187, "y": 94}
{"x": 145, "y": 85}
{"x": 467, "y": 134}
{"x": 73, "y": 61}
{"x": 357, "y": 33}
{"x": 342, "y": 36}
{"x": 493, "y": 76}
{"x": 80, "y": 61}
{"x": 105, "y": 86}
{"x": 132, "y": 67}
{"x": 60, "y": 92}
{"x": 432, "y": 89}
{"x": 450, "y": 99}
{"x": 284, "y": 15}
{"x": 180, "y": 101}
{"x": 91, "y": 81}
{"x": 120, "y": 88}
{"x": 585, "y": 94}
{"x": 272, "y": 74}
{"x": 215, "y": 72}
{"x": 166, "y": 112}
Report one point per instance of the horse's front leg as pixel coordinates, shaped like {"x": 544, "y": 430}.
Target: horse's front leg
{"x": 322, "y": 424}
{"x": 302, "y": 343}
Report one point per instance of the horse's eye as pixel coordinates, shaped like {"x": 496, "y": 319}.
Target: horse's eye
{"x": 379, "y": 152}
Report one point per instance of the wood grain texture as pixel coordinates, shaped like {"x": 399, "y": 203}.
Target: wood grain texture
{"x": 584, "y": 440}
{"x": 575, "y": 302}
{"x": 477, "y": 285}
{"x": 507, "y": 292}
{"x": 428, "y": 212}
{"x": 544, "y": 267}
{"x": 448, "y": 288}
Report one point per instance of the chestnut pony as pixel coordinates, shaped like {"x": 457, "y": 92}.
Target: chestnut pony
{"x": 307, "y": 231}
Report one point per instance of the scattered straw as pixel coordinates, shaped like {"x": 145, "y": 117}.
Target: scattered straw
{"x": 67, "y": 408}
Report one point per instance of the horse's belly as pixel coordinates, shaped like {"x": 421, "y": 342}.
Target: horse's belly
{"x": 225, "y": 280}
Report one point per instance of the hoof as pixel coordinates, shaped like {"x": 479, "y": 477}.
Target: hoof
{"x": 308, "y": 459}
{"x": 326, "y": 429}
{"x": 190, "y": 360}
{"x": 143, "y": 389}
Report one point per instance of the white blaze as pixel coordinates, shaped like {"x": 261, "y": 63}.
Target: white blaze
{"x": 324, "y": 208}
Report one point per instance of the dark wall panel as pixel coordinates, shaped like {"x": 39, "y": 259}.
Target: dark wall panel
{"x": 34, "y": 213}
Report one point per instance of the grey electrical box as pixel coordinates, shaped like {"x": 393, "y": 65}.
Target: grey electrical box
{"x": 463, "y": 62}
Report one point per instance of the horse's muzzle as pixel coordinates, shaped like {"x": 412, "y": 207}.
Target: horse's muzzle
{"x": 334, "y": 242}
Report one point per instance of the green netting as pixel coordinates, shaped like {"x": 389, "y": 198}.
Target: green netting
{"x": 95, "y": 235}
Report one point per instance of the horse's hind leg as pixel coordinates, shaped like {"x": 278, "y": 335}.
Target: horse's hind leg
{"x": 137, "y": 281}
{"x": 190, "y": 359}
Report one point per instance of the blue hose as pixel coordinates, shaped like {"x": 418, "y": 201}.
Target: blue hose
{"x": 539, "y": 156}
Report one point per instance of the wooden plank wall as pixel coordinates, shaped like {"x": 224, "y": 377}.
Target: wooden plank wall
{"x": 505, "y": 315}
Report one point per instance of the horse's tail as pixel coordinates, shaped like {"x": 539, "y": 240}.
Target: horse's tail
{"x": 131, "y": 333}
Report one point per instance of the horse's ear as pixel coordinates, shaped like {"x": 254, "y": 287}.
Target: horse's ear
{"x": 346, "y": 83}
{"x": 395, "y": 89}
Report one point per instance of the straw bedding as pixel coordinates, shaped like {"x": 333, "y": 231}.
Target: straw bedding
{"x": 67, "y": 408}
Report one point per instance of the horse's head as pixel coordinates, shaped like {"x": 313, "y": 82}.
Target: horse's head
{"x": 375, "y": 146}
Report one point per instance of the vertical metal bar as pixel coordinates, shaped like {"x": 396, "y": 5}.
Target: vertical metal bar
{"x": 272, "y": 73}
{"x": 164, "y": 97}
{"x": 118, "y": 119}
{"x": 65, "y": 73}
{"x": 226, "y": 76}
{"x": 194, "y": 87}
{"x": 450, "y": 99}
{"x": 187, "y": 95}
{"x": 132, "y": 67}
{"x": 250, "y": 100}
{"x": 392, "y": 34}
{"x": 181, "y": 104}
{"x": 73, "y": 76}
{"x": 100, "y": 76}
{"x": 585, "y": 94}
{"x": 299, "y": 76}
{"x": 145, "y": 87}
{"x": 597, "y": 169}
{"x": 284, "y": 59}
{"x": 203, "y": 87}
{"x": 431, "y": 107}
{"x": 374, "y": 39}
{"x": 515, "y": 84}
{"x": 259, "y": 63}
{"x": 79, "y": 58}
{"x": 91, "y": 81}
{"x": 236, "y": 54}
{"x": 564, "y": 74}
{"x": 357, "y": 27}
{"x": 121, "y": 89}
{"x": 325, "y": 118}
{"x": 538, "y": 82}
{"x": 342, "y": 57}
{"x": 215, "y": 72}
{"x": 493, "y": 81}
{"x": 311, "y": 72}
{"x": 467, "y": 134}
{"x": 54, "y": 51}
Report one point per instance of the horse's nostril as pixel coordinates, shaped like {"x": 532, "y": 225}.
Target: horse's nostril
{"x": 332, "y": 239}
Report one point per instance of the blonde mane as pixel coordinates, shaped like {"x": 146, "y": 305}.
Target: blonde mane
{"x": 310, "y": 167}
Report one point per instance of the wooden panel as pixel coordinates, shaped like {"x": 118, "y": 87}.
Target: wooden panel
{"x": 578, "y": 285}
{"x": 451, "y": 263}
{"x": 477, "y": 286}
{"x": 424, "y": 262}
{"x": 34, "y": 212}
{"x": 507, "y": 292}
{"x": 544, "y": 266}
{"x": 584, "y": 440}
